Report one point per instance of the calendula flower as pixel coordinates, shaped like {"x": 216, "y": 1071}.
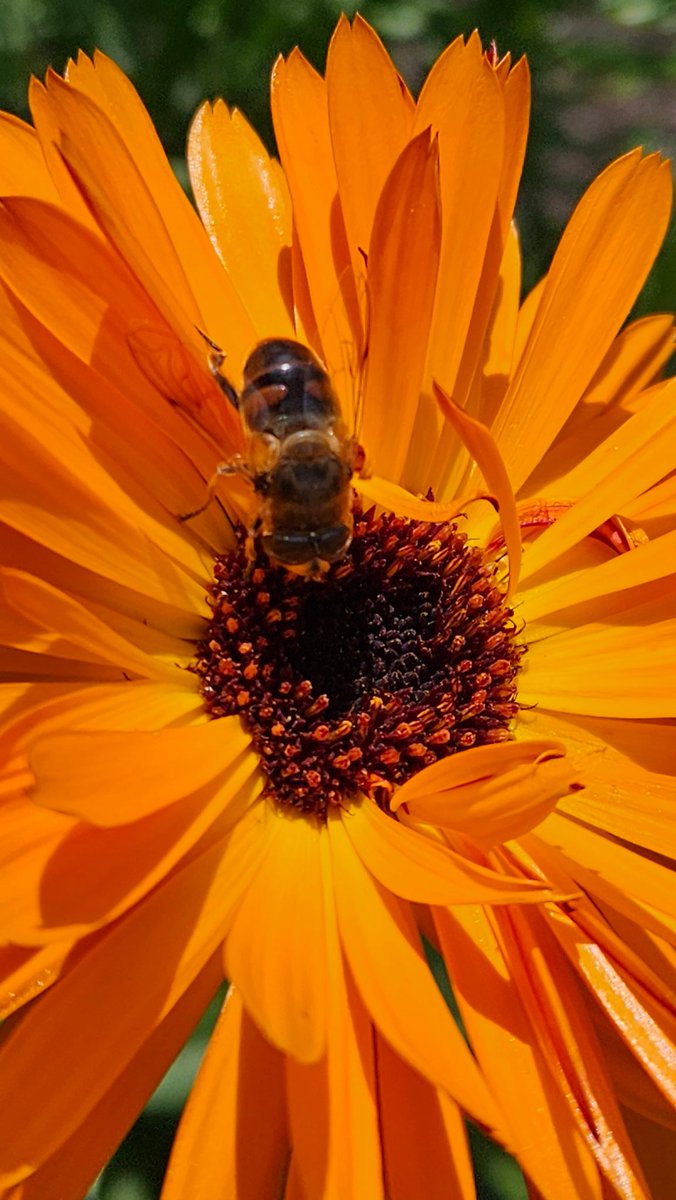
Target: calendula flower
{"x": 214, "y": 767}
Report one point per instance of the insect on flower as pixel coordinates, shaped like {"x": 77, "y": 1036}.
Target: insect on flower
{"x": 299, "y": 457}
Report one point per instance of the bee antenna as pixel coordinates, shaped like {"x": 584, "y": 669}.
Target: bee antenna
{"x": 212, "y": 345}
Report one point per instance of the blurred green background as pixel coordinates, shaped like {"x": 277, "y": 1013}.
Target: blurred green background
{"x": 603, "y": 81}
{"x": 604, "y": 75}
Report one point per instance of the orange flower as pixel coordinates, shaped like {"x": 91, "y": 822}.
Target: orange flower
{"x": 399, "y": 749}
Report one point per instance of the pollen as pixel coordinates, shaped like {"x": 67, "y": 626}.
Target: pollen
{"x": 404, "y": 653}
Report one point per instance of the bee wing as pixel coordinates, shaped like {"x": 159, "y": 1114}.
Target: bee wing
{"x": 171, "y": 367}
{"x": 340, "y": 338}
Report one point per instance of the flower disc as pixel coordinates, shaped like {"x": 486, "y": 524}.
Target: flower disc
{"x": 405, "y": 653}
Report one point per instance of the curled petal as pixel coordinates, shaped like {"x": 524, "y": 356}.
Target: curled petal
{"x": 493, "y": 808}
{"x": 404, "y": 504}
{"x": 479, "y": 441}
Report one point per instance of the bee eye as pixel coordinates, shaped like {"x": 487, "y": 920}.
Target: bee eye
{"x": 263, "y": 452}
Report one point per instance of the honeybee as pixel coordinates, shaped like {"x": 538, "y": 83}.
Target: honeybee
{"x": 299, "y": 457}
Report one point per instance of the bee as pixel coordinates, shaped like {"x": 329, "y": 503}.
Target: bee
{"x": 299, "y": 457}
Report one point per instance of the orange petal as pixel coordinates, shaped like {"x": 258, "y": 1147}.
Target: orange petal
{"x": 57, "y": 873}
{"x": 462, "y": 100}
{"x": 72, "y": 1168}
{"x": 631, "y": 804}
{"x": 219, "y": 300}
{"x": 648, "y": 1034}
{"x": 244, "y": 204}
{"x": 121, "y": 202}
{"x": 332, "y": 1103}
{"x": 62, "y": 525}
{"x": 23, "y": 171}
{"x": 30, "y": 837}
{"x": 80, "y": 290}
{"x": 232, "y": 1140}
{"x": 612, "y": 871}
{"x": 620, "y": 796}
{"x": 403, "y": 260}
{"x": 633, "y": 362}
{"x": 496, "y": 809}
{"x": 541, "y": 1129}
{"x": 516, "y": 95}
{"x": 49, "y": 709}
{"x": 585, "y": 669}
{"x": 371, "y": 117}
{"x": 655, "y": 509}
{"x": 501, "y": 331}
{"x": 652, "y": 560}
{"x": 479, "y": 441}
{"x": 381, "y": 943}
{"x": 425, "y": 1148}
{"x": 42, "y": 243}
{"x": 397, "y": 500}
{"x": 607, "y": 248}
{"x": 654, "y": 1144}
{"x": 300, "y": 118}
{"x": 138, "y": 202}
{"x": 45, "y": 120}
{"x": 647, "y": 745}
{"x": 526, "y": 318}
{"x": 626, "y": 464}
{"x": 479, "y": 762}
{"x": 39, "y": 618}
{"x": 416, "y": 868}
{"x": 516, "y": 100}
{"x": 56, "y": 527}
{"x": 112, "y": 778}
{"x": 84, "y": 1033}
{"x": 638, "y": 941}
{"x": 26, "y": 971}
{"x": 275, "y": 951}
{"x": 550, "y": 994}
{"x": 100, "y": 309}
{"x": 638, "y": 1093}
{"x": 66, "y": 878}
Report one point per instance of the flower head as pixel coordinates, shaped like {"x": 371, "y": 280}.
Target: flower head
{"x": 216, "y": 766}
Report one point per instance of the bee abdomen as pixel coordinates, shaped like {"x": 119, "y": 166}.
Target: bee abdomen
{"x": 285, "y": 389}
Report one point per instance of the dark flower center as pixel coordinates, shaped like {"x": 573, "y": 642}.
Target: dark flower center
{"x": 403, "y": 654}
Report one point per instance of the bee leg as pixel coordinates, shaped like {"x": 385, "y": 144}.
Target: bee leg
{"x": 250, "y": 545}
{"x": 215, "y": 361}
{"x": 232, "y": 466}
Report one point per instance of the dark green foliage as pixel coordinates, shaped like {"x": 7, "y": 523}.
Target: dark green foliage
{"x": 602, "y": 73}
